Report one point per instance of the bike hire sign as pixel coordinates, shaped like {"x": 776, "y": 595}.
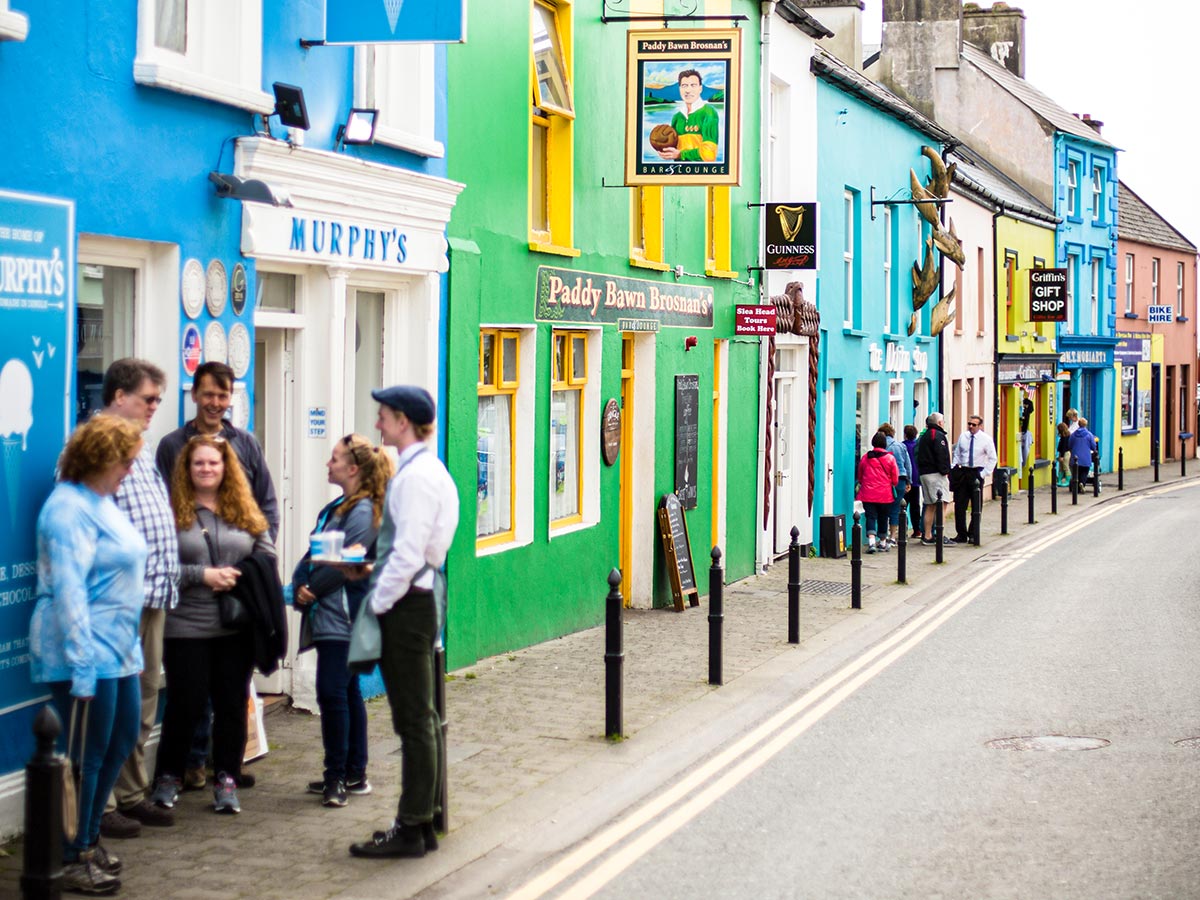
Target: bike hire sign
{"x": 395, "y": 21}
{"x": 1047, "y": 295}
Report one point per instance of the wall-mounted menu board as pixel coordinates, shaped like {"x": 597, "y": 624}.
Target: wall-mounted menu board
{"x": 672, "y": 527}
{"x": 687, "y": 437}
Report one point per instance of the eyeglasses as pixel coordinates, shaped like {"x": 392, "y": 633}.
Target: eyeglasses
{"x": 974, "y": 424}
{"x": 151, "y": 399}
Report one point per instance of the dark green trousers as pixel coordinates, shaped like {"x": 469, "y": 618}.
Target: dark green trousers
{"x": 407, "y": 631}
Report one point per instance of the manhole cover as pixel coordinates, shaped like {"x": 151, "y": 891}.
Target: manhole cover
{"x": 838, "y": 588}
{"x": 1190, "y": 743}
{"x": 1047, "y": 742}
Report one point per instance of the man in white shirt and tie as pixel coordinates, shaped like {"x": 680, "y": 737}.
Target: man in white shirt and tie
{"x": 974, "y": 455}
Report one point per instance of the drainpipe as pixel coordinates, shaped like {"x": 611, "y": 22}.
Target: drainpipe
{"x": 995, "y": 324}
{"x": 765, "y": 542}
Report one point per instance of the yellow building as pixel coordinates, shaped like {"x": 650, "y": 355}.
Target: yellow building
{"x": 1138, "y": 355}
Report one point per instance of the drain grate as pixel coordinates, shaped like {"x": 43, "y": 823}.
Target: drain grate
{"x": 1050, "y": 742}
{"x": 827, "y": 588}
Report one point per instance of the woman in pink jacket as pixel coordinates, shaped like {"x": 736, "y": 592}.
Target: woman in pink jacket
{"x": 877, "y": 479}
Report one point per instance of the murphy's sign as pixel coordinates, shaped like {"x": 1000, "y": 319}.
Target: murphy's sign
{"x": 791, "y": 233}
{"x": 566, "y": 295}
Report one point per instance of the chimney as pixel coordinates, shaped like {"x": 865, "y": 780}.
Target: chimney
{"x": 844, "y": 19}
{"x": 999, "y": 32}
{"x": 919, "y": 38}
{"x": 1094, "y": 124}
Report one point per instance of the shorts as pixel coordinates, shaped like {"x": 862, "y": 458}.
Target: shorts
{"x": 931, "y": 484}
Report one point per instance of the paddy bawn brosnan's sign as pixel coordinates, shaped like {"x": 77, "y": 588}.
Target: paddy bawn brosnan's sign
{"x": 567, "y": 295}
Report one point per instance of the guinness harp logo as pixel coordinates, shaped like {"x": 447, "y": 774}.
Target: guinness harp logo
{"x": 791, "y": 218}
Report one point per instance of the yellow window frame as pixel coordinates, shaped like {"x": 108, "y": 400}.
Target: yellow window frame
{"x": 492, "y": 383}
{"x": 718, "y": 233}
{"x": 646, "y": 242}
{"x": 558, "y": 237}
{"x": 570, "y": 380}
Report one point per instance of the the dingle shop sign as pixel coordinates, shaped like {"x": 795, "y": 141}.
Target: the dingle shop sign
{"x": 565, "y": 295}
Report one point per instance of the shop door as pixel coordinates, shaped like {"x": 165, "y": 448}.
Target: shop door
{"x": 831, "y": 397}
{"x": 273, "y": 426}
{"x": 785, "y": 444}
{"x": 1155, "y": 412}
{"x": 1169, "y": 444}
{"x": 626, "y": 469}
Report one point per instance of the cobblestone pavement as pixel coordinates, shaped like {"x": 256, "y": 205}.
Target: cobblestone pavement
{"x": 517, "y": 721}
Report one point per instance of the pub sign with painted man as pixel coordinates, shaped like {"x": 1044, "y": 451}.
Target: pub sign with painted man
{"x": 682, "y": 108}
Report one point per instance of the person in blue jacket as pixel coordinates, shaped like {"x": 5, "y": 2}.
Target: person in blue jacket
{"x": 330, "y": 603}
{"x": 1083, "y": 446}
{"x": 83, "y": 636}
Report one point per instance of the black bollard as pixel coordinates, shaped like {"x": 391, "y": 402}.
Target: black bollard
{"x": 902, "y": 546}
{"x": 977, "y": 513}
{"x": 1156, "y": 461}
{"x": 937, "y": 526}
{"x": 441, "y": 818}
{"x": 794, "y": 587}
{"x": 1006, "y": 483}
{"x": 856, "y": 564}
{"x": 716, "y": 616}
{"x": 1095, "y": 474}
{"x": 1053, "y": 493}
{"x": 1120, "y": 468}
{"x": 614, "y": 658}
{"x": 41, "y": 876}
{"x": 1031, "y": 498}
{"x": 1182, "y": 457}
{"x": 1074, "y": 483}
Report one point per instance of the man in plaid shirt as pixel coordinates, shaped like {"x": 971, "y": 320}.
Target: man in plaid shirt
{"x": 133, "y": 389}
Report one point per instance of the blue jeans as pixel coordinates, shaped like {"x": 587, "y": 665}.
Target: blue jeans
{"x": 114, "y": 717}
{"x": 343, "y": 714}
{"x": 877, "y": 517}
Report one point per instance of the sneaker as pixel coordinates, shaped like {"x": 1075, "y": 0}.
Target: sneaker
{"x": 928, "y": 542}
{"x": 109, "y": 863}
{"x": 166, "y": 791}
{"x": 225, "y": 798}
{"x": 147, "y": 813}
{"x": 119, "y": 826}
{"x": 317, "y": 787}
{"x": 948, "y": 542}
{"x": 403, "y": 841}
{"x": 358, "y": 786}
{"x": 245, "y": 780}
{"x": 86, "y": 877}
{"x": 194, "y": 779}
{"x": 334, "y": 794}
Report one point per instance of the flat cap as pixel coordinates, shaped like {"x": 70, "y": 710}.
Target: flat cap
{"x": 415, "y": 402}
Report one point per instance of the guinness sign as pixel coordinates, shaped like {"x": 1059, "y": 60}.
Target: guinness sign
{"x": 791, "y": 233}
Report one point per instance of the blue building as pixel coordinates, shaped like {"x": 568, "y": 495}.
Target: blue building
{"x": 879, "y": 359}
{"x": 177, "y": 216}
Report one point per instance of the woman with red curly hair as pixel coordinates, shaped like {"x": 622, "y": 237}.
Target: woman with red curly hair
{"x": 219, "y": 526}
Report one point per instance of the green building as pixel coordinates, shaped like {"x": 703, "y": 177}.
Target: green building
{"x": 573, "y": 295}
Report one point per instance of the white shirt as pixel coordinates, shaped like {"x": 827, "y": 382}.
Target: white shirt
{"x": 985, "y": 452}
{"x": 422, "y": 502}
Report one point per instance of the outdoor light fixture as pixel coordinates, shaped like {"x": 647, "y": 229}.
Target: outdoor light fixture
{"x": 289, "y": 106}
{"x": 250, "y": 190}
{"x": 359, "y": 128}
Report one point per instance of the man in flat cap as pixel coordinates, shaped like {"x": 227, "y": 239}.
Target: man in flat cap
{"x": 407, "y": 594}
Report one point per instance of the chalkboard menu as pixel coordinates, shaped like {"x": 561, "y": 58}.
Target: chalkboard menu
{"x": 687, "y": 437}
{"x": 672, "y": 527}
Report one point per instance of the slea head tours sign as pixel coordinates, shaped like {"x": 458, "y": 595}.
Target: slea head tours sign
{"x": 566, "y": 295}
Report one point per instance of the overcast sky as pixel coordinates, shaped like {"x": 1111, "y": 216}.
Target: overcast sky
{"x": 1133, "y": 66}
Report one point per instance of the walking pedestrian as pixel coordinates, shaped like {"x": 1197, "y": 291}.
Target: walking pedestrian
{"x": 1026, "y": 434}
{"x": 1063, "y": 451}
{"x": 877, "y": 479}
{"x": 914, "y": 486}
{"x": 1083, "y": 445}
{"x": 903, "y": 467}
{"x": 330, "y": 603}
{"x": 83, "y": 635}
{"x": 972, "y": 462}
{"x": 133, "y": 390}
{"x": 406, "y": 594}
{"x": 933, "y": 468}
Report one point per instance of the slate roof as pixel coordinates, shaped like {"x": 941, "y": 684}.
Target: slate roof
{"x": 828, "y": 67}
{"x": 792, "y": 11}
{"x": 1041, "y": 105}
{"x": 1137, "y": 221}
{"x": 976, "y": 175}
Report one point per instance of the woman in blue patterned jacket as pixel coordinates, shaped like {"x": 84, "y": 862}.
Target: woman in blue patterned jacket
{"x": 83, "y": 637}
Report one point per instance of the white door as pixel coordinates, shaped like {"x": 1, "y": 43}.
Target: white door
{"x": 830, "y": 396}
{"x": 785, "y": 446}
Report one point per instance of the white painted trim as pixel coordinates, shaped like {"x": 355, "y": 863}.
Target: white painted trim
{"x": 589, "y": 464}
{"x": 643, "y": 502}
{"x": 13, "y": 25}
{"x": 185, "y": 81}
{"x": 720, "y": 501}
{"x": 407, "y": 140}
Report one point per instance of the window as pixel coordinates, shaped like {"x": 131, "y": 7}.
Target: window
{"x": 276, "y": 292}
{"x": 566, "y": 432}
{"x": 887, "y": 270}
{"x": 210, "y": 49}
{"x": 896, "y": 404}
{"x": 960, "y": 301}
{"x": 1012, "y": 308}
{"x": 848, "y": 254}
{"x": 551, "y": 131}
{"x": 646, "y": 220}
{"x": 777, "y": 125}
{"x": 1097, "y": 275}
{"x": 1072, "y": 188}
{"x": 1072, "y": 279}
{"x": 366, "y": 317}
{"x": 717, "y": 234}
{"x": 13, "y": 25}
{"x": 1128, "y": 398}
{"x": 1179, "y": 311}
{"x": 980, "y": 300}
{"x": 496, "y": 435}
{"x": 1154, "y": 281}
{"x": 104, "y": 320}
{"x": 1097, "y": 193}
{"x": 1129, "y": 282}
{"x": 399, "y": 81}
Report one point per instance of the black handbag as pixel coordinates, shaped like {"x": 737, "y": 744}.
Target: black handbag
{"x": 231, "y": 609}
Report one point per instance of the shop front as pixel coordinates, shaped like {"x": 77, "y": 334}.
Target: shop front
{"x": 1139, "y": 359}
{"x": 1031, "y": 377}
{"x": 1092, "y": 388}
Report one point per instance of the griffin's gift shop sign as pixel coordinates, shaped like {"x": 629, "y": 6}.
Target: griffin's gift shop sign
{"x": 682, "y": 116}
{"x": 791, "y": 236}
{"x": 1047, "y": 295}
{"x": 565, "y": 295}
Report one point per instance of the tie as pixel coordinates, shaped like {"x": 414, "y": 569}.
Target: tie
{"x": 971, "y": 452}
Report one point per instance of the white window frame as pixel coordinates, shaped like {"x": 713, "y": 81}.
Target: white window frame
{"x": 896, "y": 404}
{"x": 399, "y": 80}
{"x": 1097, "y": 274}
{"x": 848, "y": 255}
{"x": 887, "y": 270}
{"x": 1072, "y": 187}
{"x": 1179, "y": 277}
{"x": 1154, "y": 270}
{"x": 1128, "y": 389}
{"x": 1097, "y": 193}
{"x": 1072, "y": 289}
{"x": 1128, "y": 282}
{"x": 14, "y": 26}
{"x": 222, "y": 60}
{"x": 589, "y": 499}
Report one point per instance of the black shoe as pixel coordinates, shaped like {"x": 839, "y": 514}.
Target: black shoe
{"x": 148, "y": 814}
{"x": 334, "y": 794}
{"x": 245, "y": 780}
{"x": 119, "y": 826}
{"x": 427, "y": 832}
{"x": 316, "y": 787}
{"x": 404, "y": 841}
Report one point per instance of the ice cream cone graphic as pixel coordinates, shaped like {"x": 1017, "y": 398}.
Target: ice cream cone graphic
{"x": 12, "y": 473}
{"x": 16, "y": 418}
{"x": 393, "y": 11}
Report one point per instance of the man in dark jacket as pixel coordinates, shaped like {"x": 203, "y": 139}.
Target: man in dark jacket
{"x": 933, "y": 467}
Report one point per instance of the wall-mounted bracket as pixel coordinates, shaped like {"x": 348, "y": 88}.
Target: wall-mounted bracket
{"x": 895, "y": 200}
